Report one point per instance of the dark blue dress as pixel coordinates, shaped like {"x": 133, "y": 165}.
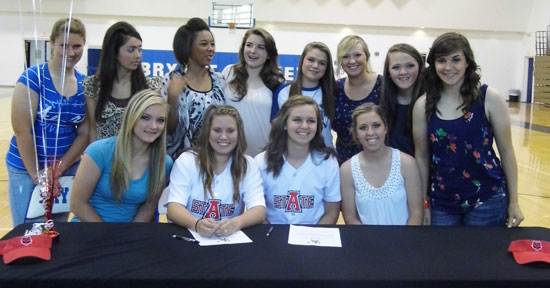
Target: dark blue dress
{"x": 464, "y": 171}
{"x": 345, "y": 146}
{"x": 397, "y": 137}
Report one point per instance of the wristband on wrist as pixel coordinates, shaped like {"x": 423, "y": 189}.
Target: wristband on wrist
{"x": 197, "y": 225}
{"x": 426, "y": 204}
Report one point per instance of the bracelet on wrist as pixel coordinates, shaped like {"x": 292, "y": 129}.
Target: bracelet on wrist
{"x": 197, "y": 224}
{"x": 426, "y": 204}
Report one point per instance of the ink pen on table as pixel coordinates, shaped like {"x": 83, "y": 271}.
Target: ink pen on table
{"x": 185, "y": 238}
{"x": 269, "y": 231}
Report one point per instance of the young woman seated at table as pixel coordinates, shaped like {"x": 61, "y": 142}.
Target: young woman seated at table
{"x": 120, "y": 179}
{"x": 380, "y": 185}
{"x": 213, "y": 182}
{"x": 300, "y": 174}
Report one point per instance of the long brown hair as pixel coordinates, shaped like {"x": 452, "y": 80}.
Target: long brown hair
{"x": 270, "y": 74}
{"x": 327, "y": 82}
{"x": 388, "y": 95}
{"x": 116, "y": 36}
{"x": 469, "y": 91}
{"x": 205, "y": 154}
{"x": 277, "y": 146}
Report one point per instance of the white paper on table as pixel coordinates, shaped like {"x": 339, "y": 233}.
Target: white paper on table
{"x": 235, "y": 238}
{"x": 314, "y": 236}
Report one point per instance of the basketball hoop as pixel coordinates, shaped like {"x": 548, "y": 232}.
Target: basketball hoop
{"x": 232, "y": 15}
{"x": 232, "y": 27}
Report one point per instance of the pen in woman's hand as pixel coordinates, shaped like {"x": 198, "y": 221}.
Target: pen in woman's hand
{"x": 185, "y": 238}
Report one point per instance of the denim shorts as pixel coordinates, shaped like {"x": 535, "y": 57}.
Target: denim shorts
{"x": 493, "y": 212}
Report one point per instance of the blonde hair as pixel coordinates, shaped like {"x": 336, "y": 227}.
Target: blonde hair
{"x": 120, "y": 172}
{"x": 350, "y": 41}
{"x": 70, "y": 25}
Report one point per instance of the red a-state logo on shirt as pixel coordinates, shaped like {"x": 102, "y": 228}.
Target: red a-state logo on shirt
{"x": 294, "y": 202}
{"x": 212, "y": 209}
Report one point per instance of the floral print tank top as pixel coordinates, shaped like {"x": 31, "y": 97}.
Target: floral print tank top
{"x": 464, "y": 170}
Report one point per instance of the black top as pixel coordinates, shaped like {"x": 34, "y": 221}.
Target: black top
{"x": 397, "y": 138}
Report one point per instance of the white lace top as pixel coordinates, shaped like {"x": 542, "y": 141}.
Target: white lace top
{"x": 386, "y": 205}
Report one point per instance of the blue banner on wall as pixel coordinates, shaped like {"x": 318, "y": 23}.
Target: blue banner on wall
{"x": 160, "y": 62}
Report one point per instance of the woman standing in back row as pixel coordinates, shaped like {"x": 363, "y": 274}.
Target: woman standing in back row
{"x": 192, "y": 87}
{"x": 119, "y": 76}
{"x": 454, "y": 125}
{"x": 360, "y": 86}
{"x": 250, "y": 84}
{"x": 401, "y": 86}
{"x": 316, "y": 80}
{"x": 55, "y": 92}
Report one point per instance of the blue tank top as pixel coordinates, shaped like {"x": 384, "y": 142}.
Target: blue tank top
{"x": 343, "y": 107}
{"x": 465, "y": 171}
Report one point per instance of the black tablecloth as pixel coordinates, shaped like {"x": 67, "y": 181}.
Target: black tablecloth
{"x": 146, "y": 255}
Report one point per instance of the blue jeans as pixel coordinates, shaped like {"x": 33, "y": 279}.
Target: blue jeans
{"x": 20, "y": 191}
{"x": 492, "y": 212}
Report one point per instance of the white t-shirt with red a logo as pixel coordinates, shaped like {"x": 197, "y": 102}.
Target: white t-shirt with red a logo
{"x": 297, "y": 196}
{"x": 186, "y": 187}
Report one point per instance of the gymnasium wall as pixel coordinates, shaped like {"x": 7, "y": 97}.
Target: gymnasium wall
{"x": 501, "y": 31}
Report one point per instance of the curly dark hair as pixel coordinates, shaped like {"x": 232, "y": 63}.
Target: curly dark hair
{"x": 184, "y": 38}
{"x": 469, "y": 91}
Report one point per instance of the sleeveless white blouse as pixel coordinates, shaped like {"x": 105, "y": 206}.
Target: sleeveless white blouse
{"x": 386, "y": 205}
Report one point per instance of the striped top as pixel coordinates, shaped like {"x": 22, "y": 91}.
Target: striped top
{"x": 73, "y": 110}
